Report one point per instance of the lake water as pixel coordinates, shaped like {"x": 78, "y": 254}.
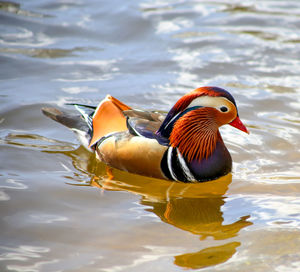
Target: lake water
{"x": 59, "y": 212}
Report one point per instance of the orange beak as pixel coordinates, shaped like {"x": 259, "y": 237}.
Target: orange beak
{"x": 237, "y": 123}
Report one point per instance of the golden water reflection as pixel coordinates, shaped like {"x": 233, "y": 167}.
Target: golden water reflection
{"x": 195, "y": 208}
{"x": 207, "y": 257}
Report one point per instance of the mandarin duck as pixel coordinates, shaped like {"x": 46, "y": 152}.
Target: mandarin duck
{"x": 183, "y": 145}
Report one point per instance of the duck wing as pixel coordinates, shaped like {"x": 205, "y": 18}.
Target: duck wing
{"x": 145, "y": 124}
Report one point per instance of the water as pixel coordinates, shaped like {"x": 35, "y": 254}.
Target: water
{"x": 58, "y": 210}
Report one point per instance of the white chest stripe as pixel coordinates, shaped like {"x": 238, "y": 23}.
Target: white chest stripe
{"x": 190, "y": 177}
{"x": 169, "y": 161}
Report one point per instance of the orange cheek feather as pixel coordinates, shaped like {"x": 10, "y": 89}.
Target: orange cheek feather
{"x": 195, "y": 134}
{"x": 225, "y": 118}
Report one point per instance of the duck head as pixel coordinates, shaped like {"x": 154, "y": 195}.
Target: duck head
{"x": 193, "y": 122}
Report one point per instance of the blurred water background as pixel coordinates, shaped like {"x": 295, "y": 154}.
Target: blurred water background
{"x": 58, "y": 210}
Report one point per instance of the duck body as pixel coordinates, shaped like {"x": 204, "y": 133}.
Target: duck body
{"x": 132, "y": 154}
{"x": 184, "y": 145}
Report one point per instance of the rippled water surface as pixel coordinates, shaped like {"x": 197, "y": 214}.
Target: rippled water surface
{"x": 59, "y": 212}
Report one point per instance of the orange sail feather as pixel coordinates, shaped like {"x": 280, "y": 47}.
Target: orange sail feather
{"x": 108, "y": 118}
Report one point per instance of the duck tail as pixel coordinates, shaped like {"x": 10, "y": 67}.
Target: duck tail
{"x": 80, "y": 124}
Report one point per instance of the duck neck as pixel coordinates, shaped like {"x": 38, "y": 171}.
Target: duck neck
{"x": 197, "y": 151}
{"x": 195, "y": 135}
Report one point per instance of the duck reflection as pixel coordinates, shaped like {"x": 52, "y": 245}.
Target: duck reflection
{"x": 203, "y": 217}
{"x": 200, "y": 216}
{"x": 195, "y": 208}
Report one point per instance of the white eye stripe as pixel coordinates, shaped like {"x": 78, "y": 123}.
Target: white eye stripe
{"x": 211, "y": 101}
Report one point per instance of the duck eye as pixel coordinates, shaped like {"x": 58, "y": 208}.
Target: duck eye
{"x": 223, "y": 109}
